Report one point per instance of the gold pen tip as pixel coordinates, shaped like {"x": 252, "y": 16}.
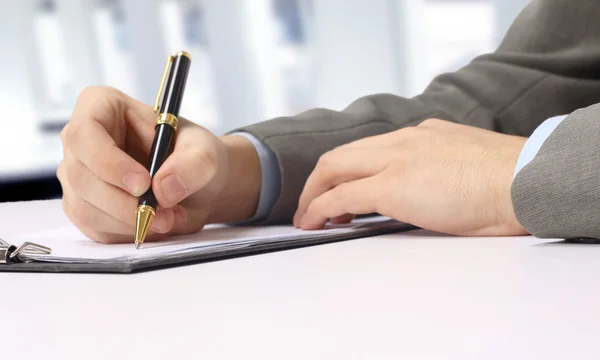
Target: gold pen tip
{"x": 144, "y": 216}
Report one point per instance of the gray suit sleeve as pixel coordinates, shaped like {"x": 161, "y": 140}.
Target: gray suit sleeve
{"x": 548, "y": 64}
{"x": 557, "y": 194}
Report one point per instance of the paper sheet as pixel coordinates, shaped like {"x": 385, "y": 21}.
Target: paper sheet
{"x": 68, "y": 244}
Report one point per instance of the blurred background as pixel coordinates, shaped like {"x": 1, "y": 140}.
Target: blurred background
{"x": 252, "y": 60}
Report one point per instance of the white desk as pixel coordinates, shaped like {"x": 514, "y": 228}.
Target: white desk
{"x": 404, "y": 296}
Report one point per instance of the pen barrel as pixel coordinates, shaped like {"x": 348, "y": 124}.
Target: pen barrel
{"x": 162, "y": 147}
{"x": 173, "y": 92}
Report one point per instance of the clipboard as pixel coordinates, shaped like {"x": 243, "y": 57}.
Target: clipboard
{"x": 37, "y": 257}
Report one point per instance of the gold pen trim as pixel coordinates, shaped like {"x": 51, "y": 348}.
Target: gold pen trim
{"x": 184, "y": 53}
{"x": 144, "y": 216}
{"x": 169, "y": 119}
{"x": 161, "y": 89}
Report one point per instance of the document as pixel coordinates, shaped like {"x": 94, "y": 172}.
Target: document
{"x": 68, "y": 244}
{"x": 72, "y": 251}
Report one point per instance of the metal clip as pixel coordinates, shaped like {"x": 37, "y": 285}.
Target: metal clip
{"x": 10, "y": 253}
{"x": 161, "y": 90}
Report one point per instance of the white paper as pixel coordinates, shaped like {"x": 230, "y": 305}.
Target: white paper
{"x": 68, "y": 244}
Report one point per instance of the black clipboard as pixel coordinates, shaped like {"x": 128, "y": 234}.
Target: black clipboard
{"x": 14, "y": 259}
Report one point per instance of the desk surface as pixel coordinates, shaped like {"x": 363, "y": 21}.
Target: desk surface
{"x": 405, "y": 296}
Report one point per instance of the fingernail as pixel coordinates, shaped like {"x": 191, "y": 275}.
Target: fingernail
{"x": 173, "y": 188}
{"x": 134, "y": 183}
{"x": 160, "y": 221}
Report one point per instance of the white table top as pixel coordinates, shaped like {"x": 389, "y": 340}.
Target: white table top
{"x": 405, "y": 296}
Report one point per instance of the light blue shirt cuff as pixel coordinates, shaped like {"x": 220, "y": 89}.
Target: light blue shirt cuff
{"x": 270, "y": 177}
{"x": 536, "y": 140}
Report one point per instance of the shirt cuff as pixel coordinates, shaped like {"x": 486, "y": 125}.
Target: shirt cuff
{"x": 270, "y": 177}
{"x": 536, "y": 140}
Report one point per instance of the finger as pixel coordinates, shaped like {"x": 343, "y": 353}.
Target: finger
{"x": 189, "y": 220}
{"x": 344, "y": 219}
{"x": 98, "y": 225}
{"x": 110, "y": 199}
{"x": 84, "y": 215}
{"x": 106, "y": 105}
{"x": 94, "y": 147}
{"x": 181, "y": 224}
{"x": 111, "y": 238}
{"x": 84, "y": 184}
{"x": 105, "y": 238}
{"x": 191, "y": 166}
{"x": 91, "y": 203}
{"x": 355, "y": 197}
{"x": 96, "y": 136}
{"x": 339, "y": 166}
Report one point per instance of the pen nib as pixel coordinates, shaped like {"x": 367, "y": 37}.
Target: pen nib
{"x": 145, "y": 215}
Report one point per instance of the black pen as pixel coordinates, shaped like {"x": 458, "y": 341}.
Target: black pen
{"x": 167, "y": 106}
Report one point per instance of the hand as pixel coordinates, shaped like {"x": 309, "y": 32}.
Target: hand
{"x": 105, "y": 144}
{"x": 439, "y": 176}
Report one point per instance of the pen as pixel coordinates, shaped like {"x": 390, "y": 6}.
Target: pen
{"x": 167, "y": 106}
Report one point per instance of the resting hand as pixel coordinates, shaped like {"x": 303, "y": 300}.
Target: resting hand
{"x": 439, "y": 176}
{"x": 106, "y": 147}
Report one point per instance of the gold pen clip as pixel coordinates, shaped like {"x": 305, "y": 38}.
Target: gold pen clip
{"x": 162, "y": 84}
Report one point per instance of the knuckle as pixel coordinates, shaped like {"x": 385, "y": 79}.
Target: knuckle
{"x": 315, "y": 206}
{"x": 69, "y": 211}
{"x": 412, "y": 131}
{"x": 208, "y": 157}
{"x": 65, "y": 206}
{"x": 67, "y": 135}
{"x": 87, "y": 92}
{"x": 95, "y": 91}
{"x": 73, "y": 174}
{"x": 79, "y": 213}
{"x": 331, "y": 199}
{"x": 64, "y": 133}
{"x": 326, "y": 161}
{"x": 97, "y": 100}
{"x": 105, "y": 163}
{"x": 60, "y": 172}
{"x": 429, "y": 122}
{"x": 340, "y": 190}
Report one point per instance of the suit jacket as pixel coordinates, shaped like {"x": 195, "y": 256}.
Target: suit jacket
{"x": 548, "y": 64}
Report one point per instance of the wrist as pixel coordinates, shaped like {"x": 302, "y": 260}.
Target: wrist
{"x": 509, "y": 224}
{"x": 239, "y": 198}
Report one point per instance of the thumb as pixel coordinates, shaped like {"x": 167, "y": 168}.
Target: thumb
{"x": 192, "y": 166}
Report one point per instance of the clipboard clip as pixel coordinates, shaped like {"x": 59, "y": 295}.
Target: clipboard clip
{"x": 10, "y": 253}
